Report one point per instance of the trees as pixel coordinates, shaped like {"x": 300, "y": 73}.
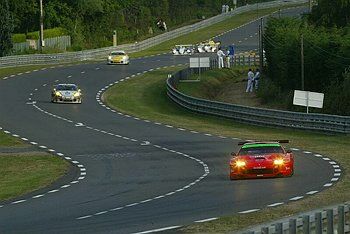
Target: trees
{"x": 331, "y": 13}
{"x": 6, "y": 28}
{"x": 91, "y": 22}
{"x": 326, "y": 56}
{"x": 25, "y": 14}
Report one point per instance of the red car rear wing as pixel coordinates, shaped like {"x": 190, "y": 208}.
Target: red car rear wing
{"x": 278, "y": 141}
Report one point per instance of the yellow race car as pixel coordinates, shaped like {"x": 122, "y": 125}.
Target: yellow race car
{"x": 118, "y": 57}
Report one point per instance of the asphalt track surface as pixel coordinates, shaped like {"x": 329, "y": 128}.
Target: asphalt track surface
{"x": 131, "y": 175}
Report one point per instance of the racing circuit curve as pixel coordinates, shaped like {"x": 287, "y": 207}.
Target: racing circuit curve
{"x": 133, "y": 174}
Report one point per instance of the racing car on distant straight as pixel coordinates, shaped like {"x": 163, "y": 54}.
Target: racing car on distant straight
{"x": 118, "y": 57}
{"x": 261, "y": 159}
{"x": 66, "y": 93}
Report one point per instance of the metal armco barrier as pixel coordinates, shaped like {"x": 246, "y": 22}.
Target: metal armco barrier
{"x": 330, "y": 221}
{"x": 254, "y": 115}
{"x": 134, "y": 47}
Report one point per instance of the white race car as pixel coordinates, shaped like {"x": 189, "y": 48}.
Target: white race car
{"x": 66, "y": 93}
{"x": 183, "y": 50}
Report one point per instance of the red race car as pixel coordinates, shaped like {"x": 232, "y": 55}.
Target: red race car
{"x": 261, "y": 159}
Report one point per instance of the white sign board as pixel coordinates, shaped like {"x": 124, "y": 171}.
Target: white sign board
{"x": 199, "y": 62}
{"x": 308, "y": 99}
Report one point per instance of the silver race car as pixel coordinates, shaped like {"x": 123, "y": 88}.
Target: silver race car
{"x": 66, "y": 93}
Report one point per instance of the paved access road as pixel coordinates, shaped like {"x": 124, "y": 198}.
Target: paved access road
{"x": 130, "y": 175}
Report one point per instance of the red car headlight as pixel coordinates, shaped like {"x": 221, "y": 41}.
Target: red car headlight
{"x": 278, "y": 162}
{"x": 240, "y": 163}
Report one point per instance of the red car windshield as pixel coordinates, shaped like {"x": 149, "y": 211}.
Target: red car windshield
{"x": 262, "y": 149}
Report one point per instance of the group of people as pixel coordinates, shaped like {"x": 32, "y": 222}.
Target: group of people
{"x": 253, "y": 80}
{"x": 229, "y": 56}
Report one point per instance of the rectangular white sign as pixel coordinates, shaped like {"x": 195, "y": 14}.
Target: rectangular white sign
{"x": 199, "y": 62}
{"x": 309, "y": 99}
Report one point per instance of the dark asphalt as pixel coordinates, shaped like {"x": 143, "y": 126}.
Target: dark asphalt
{"x": 121, "y": 172}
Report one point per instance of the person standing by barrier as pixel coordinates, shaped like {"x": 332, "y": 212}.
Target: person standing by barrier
{"x": 221, "y": 56}
{"x": 250, "y": 82}
{"x": 228, "y": 58}
{"x": 256, "y": 78}
{"x": 230, "y": 55}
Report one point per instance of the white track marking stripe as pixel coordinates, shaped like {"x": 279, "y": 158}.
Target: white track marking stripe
{"x": 311, "y": 192}
{"x": 248, "y": 211}
{"x": 158, "y": 230}
{"x": 296, "y": 198}
{"x": 205, "y": 220}
{"x": 276, "y": 204}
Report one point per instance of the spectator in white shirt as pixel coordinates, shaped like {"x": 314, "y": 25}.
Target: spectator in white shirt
{"x": 256, "y": 78}
{"x": 250, "y": 83}
{"x": 221, "y": 56}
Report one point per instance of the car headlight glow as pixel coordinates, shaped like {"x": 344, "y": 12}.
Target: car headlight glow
{"x": 278, "y": 161}
{"x": 109, "y": 57}
{"x": 240, "y": 163}
{"x": 76, "y": 94}
{"x": 58, "y": 94}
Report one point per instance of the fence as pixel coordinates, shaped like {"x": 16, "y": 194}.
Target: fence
{"x": 135, "y": 47}
{"x": 254, "y": 115}
{"x": 60, "y": 43}
{"x": 238, "y": 60}
{"x": 333, "y": 220}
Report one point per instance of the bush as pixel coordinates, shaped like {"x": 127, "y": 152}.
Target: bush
{"x": 55, "y": 32}
{"x": 18, "y": 38}
{"x": 268, "y": 91}
{"x": 211, "y": 88}
{"x": 48, "y": 33}
{"x": 33, "y": 35}
{"x": 337, "y": 98}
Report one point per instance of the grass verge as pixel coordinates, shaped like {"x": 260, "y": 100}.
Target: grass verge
{"x": 24, "y": 173}
{"x": 208, "y": 32}
{"x": 9, "y": 141}
{"x": 15, "y": 70}
{"x": 226, "y": 85}
{"x": 145, "y": 97}
{"x": 7, "y": 71}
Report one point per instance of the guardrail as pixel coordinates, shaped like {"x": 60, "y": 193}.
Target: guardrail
{"x": 254, "y": 115}
{"x": 134, "y": 47}
{"x": 333, "y": 220}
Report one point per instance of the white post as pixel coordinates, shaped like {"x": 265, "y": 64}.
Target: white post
{"x": 41, "y": 43}
{"x": 199, "y": 67}
{"x": 307, "y": 102}
{"x": 115, "y": 38}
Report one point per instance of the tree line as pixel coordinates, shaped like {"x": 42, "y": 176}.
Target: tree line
{"x": 91, "y": 23}
{"x": 326, "y": 37}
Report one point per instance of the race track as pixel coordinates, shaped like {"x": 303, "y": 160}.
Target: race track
{"x": 132, "y": 175}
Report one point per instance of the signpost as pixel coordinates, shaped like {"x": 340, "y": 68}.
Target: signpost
{"x": 115, "y": 38}
{"x": 308, "y": 99}
{"x": 200, "y": 62}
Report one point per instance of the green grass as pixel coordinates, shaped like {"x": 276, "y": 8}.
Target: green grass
{"x": 15, "y": 70}
{"x": 145, "y": 97}
{"x": 208, "y": 32}
{"x": 21, "y": 69}
{"x": 9, "y": 141}
{"x": 23, "y": 173}
{"x": 226, "y": 85}
{"x": 213, "y": 82}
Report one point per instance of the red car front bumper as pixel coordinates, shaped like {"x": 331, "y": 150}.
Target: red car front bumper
{"x": 245, "y": 173}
